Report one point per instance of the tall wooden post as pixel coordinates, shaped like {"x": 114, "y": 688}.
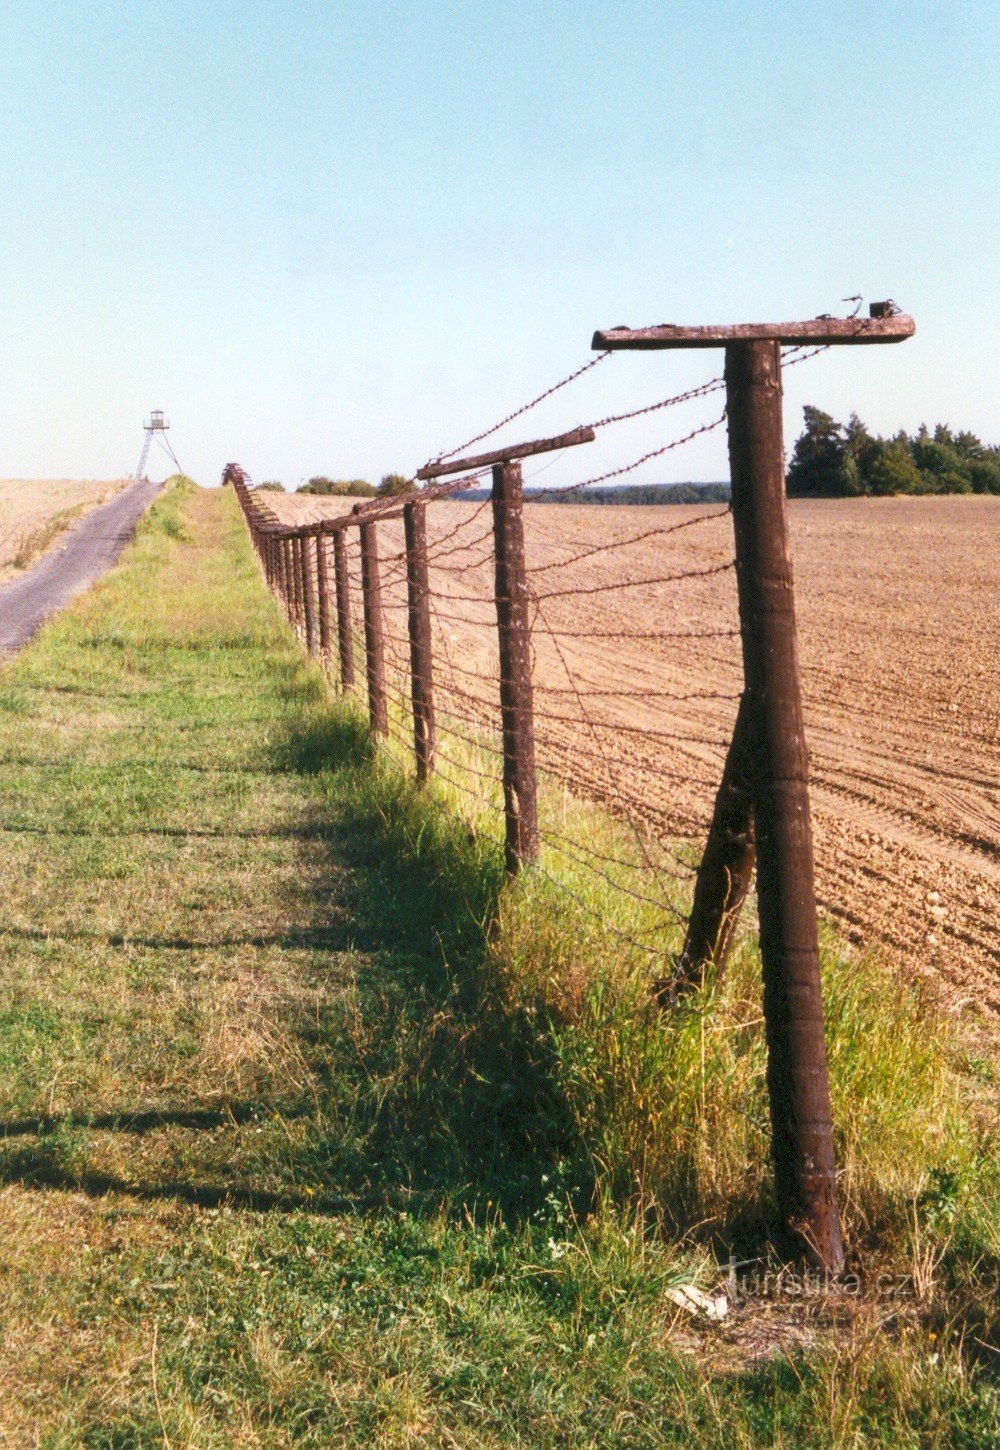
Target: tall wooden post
{"x": 374, "y": 639}
{"x": 419, "y": 622}
{"x": 345, "y": 641}
{"x": 797, "y": 1074}
{"x": 771, "y": 747}
{"x": 309, "y": 608}
{"x": 516, "y": 695}
{"x": 323, "y": 591}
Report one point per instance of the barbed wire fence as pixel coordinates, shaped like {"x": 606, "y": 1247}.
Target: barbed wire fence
{"x": 533, "y": 667}
{"x": 419, "y": 622}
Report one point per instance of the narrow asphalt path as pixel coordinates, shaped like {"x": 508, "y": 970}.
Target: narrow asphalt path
{"x": 85, "y": 552}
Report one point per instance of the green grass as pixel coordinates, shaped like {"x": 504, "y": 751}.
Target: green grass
{"x": 314, "y": 1133}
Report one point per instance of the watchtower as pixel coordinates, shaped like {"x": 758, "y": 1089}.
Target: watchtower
{"x": 155, "y": 428}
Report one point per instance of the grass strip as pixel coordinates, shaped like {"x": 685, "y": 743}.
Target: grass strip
{"x": 314, "y": 1134}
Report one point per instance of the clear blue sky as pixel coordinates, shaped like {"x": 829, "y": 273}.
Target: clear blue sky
{"x": 338, "y": 237}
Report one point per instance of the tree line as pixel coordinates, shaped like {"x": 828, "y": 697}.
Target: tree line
{"x": 837, "y": 460}
{"x": 830, "y": 460}
{"x": 391, "y": 485}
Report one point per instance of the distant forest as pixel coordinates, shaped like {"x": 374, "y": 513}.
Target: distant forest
{"x": 837, "y": 460}
{"x": 630, "y": 493}
{"x": 830, "y": 460}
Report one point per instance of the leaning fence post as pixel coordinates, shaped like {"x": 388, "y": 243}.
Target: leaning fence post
{"x": 797, "y": 1073}
{"x": 323, "y": 592}
{"x": 307, "y": 595}
{"x": 516, "y": 696}
{"x": 726, "y": 869}
{"x": 374, "y": 639}
{"x": 342, "y": 583}
{"x": 419, "y": 621}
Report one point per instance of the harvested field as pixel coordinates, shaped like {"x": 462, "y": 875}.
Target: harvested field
{"x": 34, "y": 511}
{"x": 901, "y": 674}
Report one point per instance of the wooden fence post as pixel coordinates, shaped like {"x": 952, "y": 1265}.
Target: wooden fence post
{"x": 342, "y": 583}
{"x": 516, "y": 696}
{"x": 374, "y": 640}
{"x": 419, "y": 621}
{"x": 297, "y": 584}
{"x": 323, "y": 590}
{"x": 725, "y": 872}
{"x": 289, "y": 596}
{"x": 797, "y": 1073}
{"x": 309, "y": 609}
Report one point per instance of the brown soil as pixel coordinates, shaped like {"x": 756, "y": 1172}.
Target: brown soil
{"x": 897, "y": 610}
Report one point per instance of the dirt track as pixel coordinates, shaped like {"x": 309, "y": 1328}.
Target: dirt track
{"x": 897, "y": 605}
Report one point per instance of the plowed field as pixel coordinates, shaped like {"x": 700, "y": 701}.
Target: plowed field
{"x": 898, "y": 630}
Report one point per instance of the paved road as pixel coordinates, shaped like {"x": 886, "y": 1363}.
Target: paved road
{"x": 85, "y": 552}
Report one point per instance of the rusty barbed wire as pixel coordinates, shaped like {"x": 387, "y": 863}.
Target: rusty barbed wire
{"x": 701, "y": 391}
{"x": 525, "y": 408}
{"x": 645, "y": 458}
{"x": 622, "y": 714}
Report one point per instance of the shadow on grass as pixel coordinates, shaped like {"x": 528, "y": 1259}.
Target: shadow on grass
{"x": 430, "y": 1087}
{"x": 458, "y": 1084}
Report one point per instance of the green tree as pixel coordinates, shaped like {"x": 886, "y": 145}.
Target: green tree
{"x": 822, "y": 465}
{"x": 892, "y": 470}
{"x": 339, "y": 488}
{"x": 395, "y": 484}
{"x": 984, "y": 474}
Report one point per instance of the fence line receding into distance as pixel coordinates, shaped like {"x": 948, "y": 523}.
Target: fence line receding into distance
{"x": 497, "y": 645}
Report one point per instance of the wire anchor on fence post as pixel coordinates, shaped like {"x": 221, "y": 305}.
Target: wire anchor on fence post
{"x": 419, "y": 622}
{"x": 520, "y": 787}
{"x": 345, "y": 641}
{"x": 374, "y": 636}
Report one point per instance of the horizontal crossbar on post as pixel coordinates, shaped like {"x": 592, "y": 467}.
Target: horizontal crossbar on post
{"x": 507, "y": 455}
{"x": 370, "y": 512}
{"x": 821, "y": 331}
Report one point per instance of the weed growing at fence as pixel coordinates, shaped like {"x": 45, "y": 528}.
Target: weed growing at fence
{"x": 671, "y": 1103}
{"x": 314, "y": 1133}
